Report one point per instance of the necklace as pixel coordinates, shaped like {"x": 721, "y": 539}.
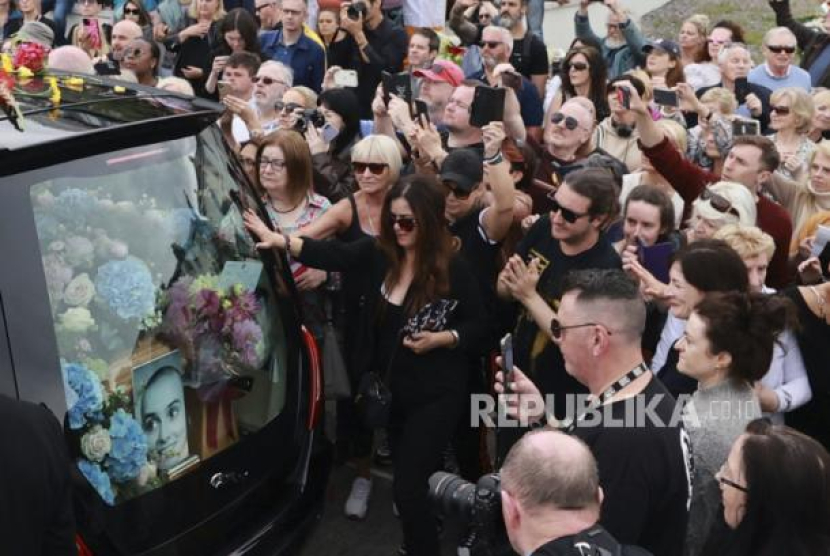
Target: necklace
{"x": 289, "y": 211}
{"x": 821, "y": 302}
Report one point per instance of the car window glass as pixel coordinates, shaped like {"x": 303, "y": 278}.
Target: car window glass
{"x": 171, "y": 343}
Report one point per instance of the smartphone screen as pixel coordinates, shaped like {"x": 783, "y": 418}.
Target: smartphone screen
{"x": 398, "y": 84}
{"x": 745, "y": 127}
{"x": 741, "y": 89}
{"x": 488, "y": 106}
{"x": 666, "y": 97}
{"x": 223, "y": 87}
{"x": 624, "y": 96}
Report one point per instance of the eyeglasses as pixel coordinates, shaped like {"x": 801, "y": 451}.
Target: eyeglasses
{"x": 274, "y": 163}
{"x": 778, "y": 49}
{"x": 576, "y": 66}
{"x": 131, "y": 11}
{"x": 485, "y": 16}
{"x": 489, "y": 44}
{"x": 613, "y": 25}
{"x": 287, "y": 107}
{"x": 557, "y": 330}
{"x": 719, "y": 202}
{"x": 780, "y": 110}
{"x": 405, "y": 223}
{"x": 267, "y": 80}
{"x": 134, "y": 53}
{"x": 460, "y": 194}
{"x": 571, "y": 123}
{"x": 375, "y": 168}
{"x": 729, "y": 482}
{"x": 567, "y": 214}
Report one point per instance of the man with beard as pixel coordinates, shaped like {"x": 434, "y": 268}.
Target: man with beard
{"x": 529, "y": 55}
{"x": 497, "y": 46}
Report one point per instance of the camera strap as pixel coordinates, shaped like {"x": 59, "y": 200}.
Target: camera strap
{"x": 568, "y": 425}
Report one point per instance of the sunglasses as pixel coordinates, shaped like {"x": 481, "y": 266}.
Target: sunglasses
{"x": 460, "y": 194}
{"x": 780, "y": 110}
{"x": 719, "y": 202}
{"x": 405, "y": 223}
{"x": 489, "y": 44}
{"x": 286, "y": 107}
{"x": 567, "y": 214}
{"x": 571, "y": 123}
{"x": 376, "y": 168}
{"x": 131, "y": 11}
{"x": 135, "y": 53}
{"x": 577, "y": 66}
{"x": 777, "y": 49}
{"x": 557, "y": 330}
{"x": 267, "y": 80}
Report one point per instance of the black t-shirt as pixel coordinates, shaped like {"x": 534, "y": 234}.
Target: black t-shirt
{"x": 535, "y": 353}
{"x": 530, "y": 59}
{"x": 644, "y": 469}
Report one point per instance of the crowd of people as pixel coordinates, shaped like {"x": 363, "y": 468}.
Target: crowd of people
{"x": 647, "y": 216}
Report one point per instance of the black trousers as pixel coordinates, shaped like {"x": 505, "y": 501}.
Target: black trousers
{"x": 418, "y": 433}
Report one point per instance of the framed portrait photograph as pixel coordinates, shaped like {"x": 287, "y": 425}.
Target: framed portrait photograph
{"x": 159, "y": 406}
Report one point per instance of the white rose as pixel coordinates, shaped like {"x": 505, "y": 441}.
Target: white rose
{"x": 79, "y": 291}
{"x": 76, "y": 319}
{"x": 96, "y": 444}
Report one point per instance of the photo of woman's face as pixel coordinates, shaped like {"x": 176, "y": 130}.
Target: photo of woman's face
{"x": 164, "y": 419}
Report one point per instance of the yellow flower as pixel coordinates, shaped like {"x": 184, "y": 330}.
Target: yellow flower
{"x": 74, "y": 83}
{"x": 56, "y": 92}
{"x": 24, "y": 73}
{"x": 6, "y": 62}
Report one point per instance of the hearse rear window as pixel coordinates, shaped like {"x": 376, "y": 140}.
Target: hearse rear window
{"x": 170, "y": 340}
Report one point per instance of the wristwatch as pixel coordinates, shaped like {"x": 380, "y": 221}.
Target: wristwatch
{"x": 497, "y": 158}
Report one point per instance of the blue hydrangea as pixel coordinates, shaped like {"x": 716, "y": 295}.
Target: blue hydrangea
{"x": 127, "y": 288}
{"x": 98, "y": 479}
{"x": 84, "y": 395}
{"x": 73, "y": 206}
{"x": 129, "y": 447}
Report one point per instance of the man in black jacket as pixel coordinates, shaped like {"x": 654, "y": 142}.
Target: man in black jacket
{"x": 551, "y": 498}
{"x": 815, "y": 54}
{"x": 35, "y": 492}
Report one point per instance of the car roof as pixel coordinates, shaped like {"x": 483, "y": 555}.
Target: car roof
{"x": 91, "y": 105}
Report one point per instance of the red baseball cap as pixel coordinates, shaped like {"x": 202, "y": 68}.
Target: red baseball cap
{"x": 442, "y": 70}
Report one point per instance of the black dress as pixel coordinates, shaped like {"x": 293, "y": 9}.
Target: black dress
{"x": 196, "y": 52}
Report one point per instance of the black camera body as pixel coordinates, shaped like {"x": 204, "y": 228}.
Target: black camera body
{"x": 478, "y": 505}
{"x": 356, "y": 9}
{"x": 311, "y": 117}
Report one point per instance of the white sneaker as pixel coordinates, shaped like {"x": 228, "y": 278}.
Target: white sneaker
{"x": 358, "y": 501}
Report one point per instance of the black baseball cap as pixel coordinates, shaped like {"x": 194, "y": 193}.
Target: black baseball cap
{"x": 463, "y": 167}
{"x": 663, "y": 44}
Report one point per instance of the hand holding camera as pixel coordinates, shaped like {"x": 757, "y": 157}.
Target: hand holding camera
{"x": 352, "y": 16}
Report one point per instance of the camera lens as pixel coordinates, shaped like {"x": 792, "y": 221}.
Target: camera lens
{"x": 452, "y": 494}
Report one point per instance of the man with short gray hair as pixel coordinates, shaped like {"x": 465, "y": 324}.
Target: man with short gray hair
{"x": 550, "y": 496}
{"x": 778, "y": 71}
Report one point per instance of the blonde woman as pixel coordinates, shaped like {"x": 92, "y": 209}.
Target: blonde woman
{"x": 692, "y": 39}
{"x": 804, "y": 199}
{"x": 791, "y": 115}
{"x": 194, "y": 44}
{"x": 719, "y": 205}
{"x": 820, "y": 128}
{"x": 711, "y": 139}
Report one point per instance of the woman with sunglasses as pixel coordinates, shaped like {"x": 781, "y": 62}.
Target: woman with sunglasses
{"x": 775, "y": 492}
{"x": 413, "y": 270}
{"x": 142, "y": 58}
{"x": 791, "y": 115}
{"x": 726, "y": 347}
{"x": 290, "y": 109}
{"x": 134, "y": 11}
{"x": 706, "y": 73}
{"x": 720, "y": 204}
{"x": 331, "y": 145}
{"x": 584, "y": 74}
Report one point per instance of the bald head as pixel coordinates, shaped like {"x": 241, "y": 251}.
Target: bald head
{"x": 550, "y": 470}
{"x": 72, "y": 59}
{"x": 123, "y": 33}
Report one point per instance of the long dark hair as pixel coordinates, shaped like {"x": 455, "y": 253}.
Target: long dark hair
{"x": 434, "y": 246}
{"x": 787, "y": 509}
{"x": 239, "y": 19}
{"x": 345, "y": 103}
{"x": 710, "y": 265}
{"x": 598, "y": 76}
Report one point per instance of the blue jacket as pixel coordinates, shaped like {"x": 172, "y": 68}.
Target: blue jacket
{"x": 305, "y": 57}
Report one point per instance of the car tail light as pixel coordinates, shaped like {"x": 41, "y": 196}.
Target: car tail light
{"x": 315, "y": 405}
{"x": 81, "y": 546}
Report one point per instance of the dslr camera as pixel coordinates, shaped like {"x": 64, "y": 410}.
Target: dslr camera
{"x": 309, "y": 117}
{"x": 356, "y": 9}
{"x": 476, "y": 505}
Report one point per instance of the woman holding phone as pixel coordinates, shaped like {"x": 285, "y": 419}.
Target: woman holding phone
{"x": 238, "y": 32}
{"x": 91, "y": 35}
{"x": 416, "y": 275}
